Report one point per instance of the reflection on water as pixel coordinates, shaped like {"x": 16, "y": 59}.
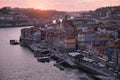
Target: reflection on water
{"x": 18, "y": 63}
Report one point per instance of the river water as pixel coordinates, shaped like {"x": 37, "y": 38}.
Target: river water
{"x": 18, "y": 63}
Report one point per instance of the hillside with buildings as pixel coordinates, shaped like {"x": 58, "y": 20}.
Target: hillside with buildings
{"x": 29, "y": 16}
{"x": 103, "y": 12}
{"x": 26, "y": 16}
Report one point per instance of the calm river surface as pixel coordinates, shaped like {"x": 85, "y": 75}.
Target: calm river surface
{"x": 18, "y": 63}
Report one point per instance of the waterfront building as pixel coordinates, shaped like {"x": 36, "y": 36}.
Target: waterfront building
{"x": 85, "y": 39}
{"x": 37, "y": 36}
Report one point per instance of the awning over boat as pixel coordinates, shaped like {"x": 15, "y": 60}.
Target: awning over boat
{"x": 73, "y": 54}
{"x": 88, "y": 59}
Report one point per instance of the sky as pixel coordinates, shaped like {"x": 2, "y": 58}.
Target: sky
{"x": 61, "y": 5}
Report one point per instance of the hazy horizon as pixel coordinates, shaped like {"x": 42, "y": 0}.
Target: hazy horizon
{"x": 60, "y": 5}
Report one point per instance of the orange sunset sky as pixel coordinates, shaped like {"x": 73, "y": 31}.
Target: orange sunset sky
{"x": 61, "y": 5}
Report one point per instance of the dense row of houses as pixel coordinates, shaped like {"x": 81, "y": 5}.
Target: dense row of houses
{"x": 78, "y": 33}
{"x": 70, "y": 35}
